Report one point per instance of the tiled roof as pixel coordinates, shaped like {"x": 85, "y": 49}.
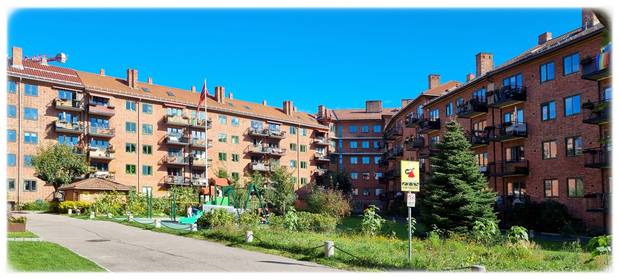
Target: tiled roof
{"x": 217, "y": 181}
{"x": 360, "y": 114}
{"x": 96, "y": 183}
{"x": 46, "y": 72}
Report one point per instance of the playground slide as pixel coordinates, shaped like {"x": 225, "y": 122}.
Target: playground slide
{"x": 191, "y": 220}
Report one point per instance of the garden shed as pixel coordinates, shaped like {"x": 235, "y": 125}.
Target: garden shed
{"x": 88, "y": 189}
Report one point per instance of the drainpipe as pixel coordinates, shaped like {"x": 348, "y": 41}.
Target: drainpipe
{"x": 19, "y": 142}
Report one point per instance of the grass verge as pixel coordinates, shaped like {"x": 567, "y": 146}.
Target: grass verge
{"x": 26, "y": 234}
{"x": 46, "y": 256}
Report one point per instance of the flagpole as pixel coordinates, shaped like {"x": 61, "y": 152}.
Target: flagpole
{"x": 206, "y": 136}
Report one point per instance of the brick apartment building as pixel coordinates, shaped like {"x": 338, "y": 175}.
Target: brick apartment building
{"x": 146, "y": 135}
{"x": 538, "y": 124}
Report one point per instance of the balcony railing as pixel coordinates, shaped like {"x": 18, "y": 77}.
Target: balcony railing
{"x": 320, "y": 171}
{"x": 414, "y": 143}
{"x": 265, "y": 132}
{"x": 599, "y": 112}
{"x": 266, "y": 150}
{"x": 199, "y": 181}
{"x": 472, "y": 108}
{"x": 176, "y": 160}
{"x": 101, "y": 153}
{"x": 260, "y": 166}
{"x": 597, "y": 158}
{"x": 428, "y": 125}
{"x": 71, "y": 105}
{"x": 508, "y": 95}
{"x": 509, "y": 168}
{"x": 394, "y": 152}
{"x": 412, "y": 120}
{"x": 393, "y": 132}
{"x": 484, "y": 170}
{"x": 509, "y": 131}
{"x": 68, "y": 127}
{"x": 597, "y": 202}
{"x": 321, "y": 157}
{"x": 101, "y": 132}
{"x": 176, "y": 180}
{"x": 176, "y": 139}
{"x": 199, "y": 162}
{"x": 209, "y": 123}
{"x": 200, "y": 142}
{"x": 209, "y": 143}
{"x": 198, "y": 123}
{"x": 101, "y": 109}
{"x": 597, "y": 67}
{"x": 321, "y": 141}
{"x": 478, "y": 138}
{"x": 176, "y": 120}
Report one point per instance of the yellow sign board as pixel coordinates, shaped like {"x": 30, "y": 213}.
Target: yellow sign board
{"x": 410, "y": 176}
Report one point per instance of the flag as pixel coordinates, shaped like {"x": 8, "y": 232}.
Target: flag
{"x": 203, "y": 94}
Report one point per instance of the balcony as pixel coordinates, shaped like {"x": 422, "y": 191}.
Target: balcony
{"x": 101, "y": 132}
{"x": 209, "y": 143}
{"x": 412, "y": 119}
{"x": 177, "y": 180}
{"x": 597, "y": 158}
{"x": 260, "y": 166}
{"x": 394, "y": 152}
{"x": 199, "y": 181}
{"x": 68, "y": 127}
{"x": 428, "y": 150}
{"x": 478, "y": 138}
{"x": 599, "y": 112}
{"x": 200, "y": 143}
{"x": 414, "y": 143}
{"x": 509, "y": 131}
{"x": 101, "y": 109}
{"x": 266, "y": 150}
{"x": 509, "y": 168}
{"x": 393, "y": 133}
{"x": 320, "y": 172}
{"x": 427, "y": 125}
{"x": 597, "y": 202}
{"x": 176, "y": 139}
{"x": 196, "y": 123}
{"x": 484, "y": 170}
{"x": 321, "y": 141}
{"x": 472, "y": 108}
{"x": 101, "y": 153}
{"x": 209, "y": 123}
{"x": 392, "y": 174}
{"x": 597, "y": 67}
{"x": 261, "y": 132}
{"x": 507, "y": 96}
{"x": 199, "y": 162}
{"x": 176, "y": 160}
{"x": 70, "y": 105}
{"x": 321, "y": 157}
{"x": 276, "y": 134}
{"x": 176, "y": 120}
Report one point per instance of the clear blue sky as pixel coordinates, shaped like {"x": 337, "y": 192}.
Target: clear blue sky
{"x": 335, "y": 57}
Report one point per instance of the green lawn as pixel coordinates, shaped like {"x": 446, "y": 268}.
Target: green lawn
{"x": 46, "y": 256}
{"x": 26, "y": 234}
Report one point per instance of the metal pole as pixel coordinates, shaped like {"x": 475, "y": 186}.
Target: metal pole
{"x": 409, "y": 222}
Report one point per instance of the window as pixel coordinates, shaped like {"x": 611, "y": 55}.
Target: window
{"x": 147, "y": 170}
{"x": 515, "y": 81}
{"x": 147, "y": 129}
{"x": 221, "y": 137}
{"x": 550, "y": 150}
{"x": 147, "y": 149}
{"x": 130, "y": 105}
{"x": 575, "y": 187}
{"x": 292, "y": 164}
{"x": 130, "y": 127}
{"x": 234, "y": 157}
{"x": 31, "y": 113}
{"x": 99, "y": 166}
{"x": 221, "y": 156}
{"x": 352, "y": 129}
{"x": 30, "y": 185}
{"x": 303, "y": 164}
{"x": 222, "y": 119}
{"x": 31, "y": 90}
{"x": 514, "y": 117}
{"x": 552, "y": 188}
{"x": 573, "y": 146}
{"x": 378, "y": 175}
{"x": 353, "y": 144}
{"x": 365, "y": 129}
{"x": 571, "y": 64}
{"x": 366, "y": 160}
{"x": 11, "y": 160}
{"x": 147, "y": 108}
{"x": 235, "y": 175}
{"x": 292, "y": 130}
{"x": 365, "y": 144}
{"x": 572, "y": 105}
{"x": 376, "y": 128}
{"x": 234, "y": 139}
{"x": 293, "y": 147}
{"x": 11, "y": 111}
{"x": 28, "y": 160}
{"x": 449, "y": 109}
{"x": 68, "y": 140}
{"x": 353, "y": 160}
{"x": 12, "y": 86}
{"x": 304, "y": 132}
{"x": 130, "y": 169}
{"x": 547, "y": 111}
{"x": 10, "y": 184}
{"x": 234, "y": 121}
{"x": 515, "y": 154}
{"x": 256, "y": 124}
{"x": 434, "y": 114}
{"x": 98, "y": 101}
{"x": 547, "y": 72}
{"x": 606, "y": 94}
{"x": 30, "y": 138}
{"x": 377, "y": 160}
{"x": 302, "y": 148}
{"x": 304, "y": 180}
{"x": 480, "y": 95}
{"x": 11, "y": 136}
{"x": 99, "y": 123}
{"x": 354, "y": 175}
{"x": 130, "y": 147}
{"x": 516, "y": 189}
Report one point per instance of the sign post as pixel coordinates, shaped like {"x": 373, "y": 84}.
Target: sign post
{"x": 410, "y": 182}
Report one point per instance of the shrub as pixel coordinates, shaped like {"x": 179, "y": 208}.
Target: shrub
{"x": 82, "y": 206}
{"x": 291, "y": 220}
{"x": 547, "y": 216}
{"x": 486, "y": 232}
{"x": 110, "y": 202}
{"x": 517, "y": 234}
{"x": 316, "y": 222}
{"x": 38, "y": 205}
{"x": 372, "y": 222}
{"x": 249, "y": 220}
{"x": 330, "y": 202}
{"x": 218, "y": 217}
{"x": 600, "y": 245}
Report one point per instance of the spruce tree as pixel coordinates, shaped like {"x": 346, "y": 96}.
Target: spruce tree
{"x": 456, "y": 194}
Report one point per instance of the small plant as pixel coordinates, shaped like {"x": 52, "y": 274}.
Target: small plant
{"x": 485, "y": 232}
{"x": 81, "y": 206}
{"x": 413, "y": 225}
{"x": 599, "y": 246}
{"x": 291, "y": 220}
{"x": 249, "y": 220}
{"x": 38, "y": 205}
{"x": 218, "y": 217}
{"x": 372, "y": 222}
{"x": 517, "y": 234}
{"x": 17, "y": 220}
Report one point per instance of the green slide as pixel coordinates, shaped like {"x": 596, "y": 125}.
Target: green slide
{"x": 191, "y": 220}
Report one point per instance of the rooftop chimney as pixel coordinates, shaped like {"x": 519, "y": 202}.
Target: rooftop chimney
{"x": 470, "y": 77}
{"x": 219, "y": 94}
{"x": 433, "y": 81}
{"x": 193, "y": 88}
{"x": 321, "y": 112}
{"x": 230, "y": 95}
{"x": 264, "y": 102}
{"x": 405, "y": 102}
{"x": 373, "y": 106}
{"x": 484, "y": 63}
{"x": 132, "y": 78}
{"x": 544, "y": 37}
{"x": 17, "y": 58}
{"x": 287, "y": 107}
{"x": 102, "y": 72}
{"x": 149, "y": 80}
{"x": 588, "y": 18}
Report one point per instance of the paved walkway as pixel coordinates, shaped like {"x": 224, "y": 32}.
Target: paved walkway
{"x": 118, "y": 247}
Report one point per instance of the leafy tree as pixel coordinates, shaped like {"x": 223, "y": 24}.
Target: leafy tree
{"x": 59, "y": 165}
{"x": 340, "y": 181}
{"x": 328, "y": 201}
{"x": 281, "y": 193}
{"x": 456, "y": 194}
